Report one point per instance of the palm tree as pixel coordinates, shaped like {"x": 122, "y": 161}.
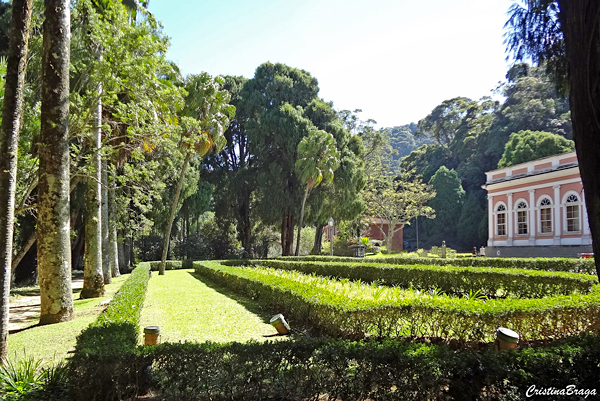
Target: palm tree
{"x": 318, "y": 158}
{"x": 9, "y": 140}
{"x": 207, "y": 115}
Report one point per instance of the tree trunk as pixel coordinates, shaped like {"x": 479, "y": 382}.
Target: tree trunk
{"x": 9, "y": 142}
{"x": 121, "y": 250}
{"x": 163, "y": 260}
{"x": 287, "y": 234}
{"x": 53, "y": 245}
{"x": 580, "y": 23}
{"x": 318, "y": 245}
{"x": 113, "y": 248}
{"x": 106, "y": 271}
{"x": 23, "y": 251}
{"x": 300, "y": 223}
{"x": 93, "y": 277}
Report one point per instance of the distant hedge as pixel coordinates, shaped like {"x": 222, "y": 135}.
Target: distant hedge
{"x": 550, "y": 264}
{"x": 492, "y": 282}
{"x": 172, "y": 265}
{"x": 445, "y": 317}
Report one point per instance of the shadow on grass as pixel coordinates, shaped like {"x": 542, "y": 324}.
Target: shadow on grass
{"x": 245, "y": 302}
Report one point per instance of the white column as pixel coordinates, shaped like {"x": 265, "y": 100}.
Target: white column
{"x": 510, "y": 218}
{"x": 490, "y": 220}
{"x": 532, "y": 226}
{"x": 586, "y": 239}
{"x": 557, "y": 216}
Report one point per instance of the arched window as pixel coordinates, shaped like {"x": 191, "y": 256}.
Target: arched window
{"x": 572, "y": 213}
{"x": 522, "y": 218}
{"x": 501, "y": 220}
{"x": 545, "y": 216}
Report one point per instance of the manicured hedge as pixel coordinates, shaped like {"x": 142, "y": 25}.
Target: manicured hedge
{"x": 445, "y": 317}
{"x": 322, "y": 368}
{"x": 172, "y": 265}
{"x": 105, "y": 364}
{"x": 550, "y": 264}
{"x": 492, "y": 282}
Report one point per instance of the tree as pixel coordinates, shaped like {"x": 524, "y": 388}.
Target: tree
{"x": 12, "y": 113}
{"x": 397, "y": 201}
{"x": 448, "y": 202}
{"x": 275, "y": 101}
{"x": 565, "y": 36}
{"x": 524, "y": 146}
{"x": 54, "y": 252}
{"x": 207, "y": 116}
{"x": 317, "y": 159}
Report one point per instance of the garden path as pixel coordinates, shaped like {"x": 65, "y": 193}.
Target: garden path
{"x": 187, "y": 308}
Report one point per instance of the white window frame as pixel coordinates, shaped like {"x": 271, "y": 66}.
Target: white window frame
{"x": 497, "y": 212}
{"x": 565, "y": 205}
{"x": 521, "y": 206}
{"x": 539, "y": 213}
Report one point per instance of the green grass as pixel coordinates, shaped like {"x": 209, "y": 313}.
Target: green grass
{"x": 188, "y": 309}
{"x": 52, "y": 342}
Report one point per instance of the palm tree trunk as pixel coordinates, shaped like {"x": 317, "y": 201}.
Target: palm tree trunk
{"x": 318, "y": 244}
{"x": 93, "y": 277}
{"x": 112, "y": 227}
{"x": 163, "y": 260}
{"x": 54, "y": 251}
{"x": 9, "y": 142}
{"x": 106, "y": 271}
{"x": 301, "y": 220}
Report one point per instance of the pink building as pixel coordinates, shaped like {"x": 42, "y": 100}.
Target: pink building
{"x": 537, "y": 209}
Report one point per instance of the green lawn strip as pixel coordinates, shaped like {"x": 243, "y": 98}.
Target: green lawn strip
{"x": 52, "y": 342}
{"x": 188, "y": 309}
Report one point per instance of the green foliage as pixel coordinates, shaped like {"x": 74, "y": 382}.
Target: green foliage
{"x": 548, "y": 264}
{"x": 524, "y": 146}
{"x": 20, "y": 377}
{"x": 335, "y": 312}
{"x": 448, "y": 201}
{"x": 492, "y": 282}
{"x": 105, "y": 362}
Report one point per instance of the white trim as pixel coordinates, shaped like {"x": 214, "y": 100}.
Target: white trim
{"x": 490, "y": 188}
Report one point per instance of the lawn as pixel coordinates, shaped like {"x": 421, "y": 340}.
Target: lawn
{"x": 189, "y": 309}
{"x": 52, "y": 342}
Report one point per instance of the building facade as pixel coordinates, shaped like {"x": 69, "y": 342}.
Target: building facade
{"x": 537, "y": 209}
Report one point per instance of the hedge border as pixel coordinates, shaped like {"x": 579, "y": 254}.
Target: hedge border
{"x": 519, "y": 283}
{"x": 550, "y": 264}
{"x": 445, "y": 317}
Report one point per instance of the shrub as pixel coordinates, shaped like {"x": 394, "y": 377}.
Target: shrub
{"x": 549, "y": 264}
{"x": 431, "y": 316}
{"x": 106, "y": 365}
{"x": 491, "y": 282}
{"x": 169, "y": 265}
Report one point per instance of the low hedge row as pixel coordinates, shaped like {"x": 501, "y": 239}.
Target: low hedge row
{"x": 550, "y": 264}
{"x": 321, "y": 368}
{"x": 445, "y": 317}
{"x": 100, "y": 368}
{"x": 491, "y": 282}
{"x": 172, "y": 265}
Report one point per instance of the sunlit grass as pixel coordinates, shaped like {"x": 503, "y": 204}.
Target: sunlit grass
{"x": 188, "y": 309}
{"x": 52, "y": 342}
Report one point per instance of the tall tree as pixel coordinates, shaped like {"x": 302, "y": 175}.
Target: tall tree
{"x": 207, "y": 115}
{"x": 9, "y": 140}
{"x": 565, "y": 35}
{"x": 318, "y": 158}
{"x": 54, "y": 252}
{"x": 448, "y": 201}
{"x": 524, "y": 146}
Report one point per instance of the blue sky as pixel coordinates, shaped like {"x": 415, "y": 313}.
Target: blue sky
{"x": 394, "y": 59}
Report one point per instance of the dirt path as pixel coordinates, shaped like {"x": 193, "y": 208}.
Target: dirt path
{"x": 24, "y": 311}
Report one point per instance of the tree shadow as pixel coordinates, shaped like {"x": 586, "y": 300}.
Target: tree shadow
{"x": 248, "y": 304}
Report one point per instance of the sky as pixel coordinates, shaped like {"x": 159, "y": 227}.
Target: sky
{"x": 394, "y": 59}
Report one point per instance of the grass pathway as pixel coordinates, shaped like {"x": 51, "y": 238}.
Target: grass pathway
{"x": 52, "y": 342}
{"x": 188, "y": 309}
